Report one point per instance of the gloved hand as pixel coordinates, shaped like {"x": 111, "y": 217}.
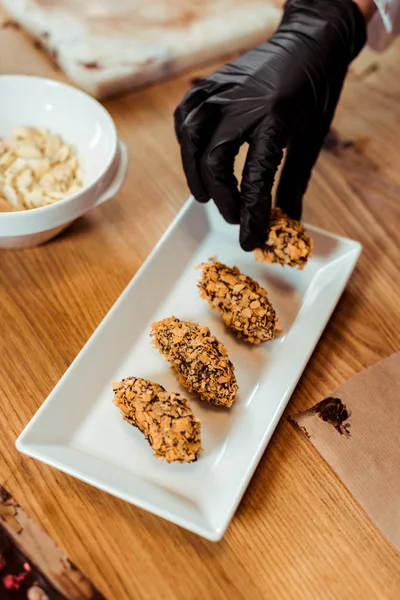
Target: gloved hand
{"x": 282, "y": 94}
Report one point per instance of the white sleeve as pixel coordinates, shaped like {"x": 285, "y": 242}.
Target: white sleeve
{"x": 385, "y": 25}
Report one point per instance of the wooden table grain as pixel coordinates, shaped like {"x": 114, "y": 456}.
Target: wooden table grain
{"x": 298, "y": 533}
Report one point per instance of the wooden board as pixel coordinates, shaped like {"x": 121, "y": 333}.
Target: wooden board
{"x": 298, "y": 532}
{"x": 108, "y": 46}
{"x": 31, "y": 563}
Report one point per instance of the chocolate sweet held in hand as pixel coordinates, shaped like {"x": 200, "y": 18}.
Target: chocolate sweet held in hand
{"x": 32, "y": 567}
{"x": 287, "y": 243}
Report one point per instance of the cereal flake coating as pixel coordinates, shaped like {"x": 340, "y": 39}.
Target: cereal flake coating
{"x": 200, "y": 361}
{"x": 242, "y": 301}
{"x": 165, "y": 419}
{"x": 287, "y": 244}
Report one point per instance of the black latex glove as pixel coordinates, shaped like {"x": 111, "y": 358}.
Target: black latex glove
{"x": 282, "y": 94}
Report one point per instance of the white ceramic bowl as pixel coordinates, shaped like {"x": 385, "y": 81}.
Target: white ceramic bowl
{"x": 80, "y": 120}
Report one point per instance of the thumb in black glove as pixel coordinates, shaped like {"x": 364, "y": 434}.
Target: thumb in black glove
{"x": 282, "y": 94}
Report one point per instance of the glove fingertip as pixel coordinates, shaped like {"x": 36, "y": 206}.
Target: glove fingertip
{"x": 247, "y": 246}
{"x": 252, "y": 235}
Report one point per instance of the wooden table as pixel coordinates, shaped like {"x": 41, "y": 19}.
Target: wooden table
{"x": 298, "y": 533}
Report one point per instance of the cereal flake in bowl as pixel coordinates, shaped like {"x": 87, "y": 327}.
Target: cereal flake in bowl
{"x": 37, "y": 168}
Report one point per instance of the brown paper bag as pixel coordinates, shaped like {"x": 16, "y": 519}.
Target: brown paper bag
{"x": 357, "y": 431}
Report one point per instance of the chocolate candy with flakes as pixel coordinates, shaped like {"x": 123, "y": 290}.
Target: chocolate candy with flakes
{"x": 165, "y": 419}
{"x": 287, "y": 243}
{"x": 243, "y": 303}
{"x": 200, "y": 361}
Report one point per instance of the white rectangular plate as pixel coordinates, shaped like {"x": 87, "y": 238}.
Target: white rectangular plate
{"x": 78, "y": 429}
